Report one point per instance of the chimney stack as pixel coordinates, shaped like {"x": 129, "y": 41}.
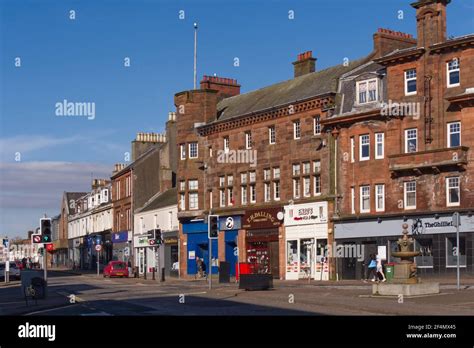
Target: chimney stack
{"x": 386, "y": 41}
{"x": 305, "y": 64}
{"x": 118, "y": 167}
{"x": 224, "y": 86}
{"x": 430, "y": 21}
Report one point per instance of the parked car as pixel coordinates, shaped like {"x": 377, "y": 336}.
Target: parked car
{"x": 116, "y": 269}
{"x": 14, "y": 271}
{"x": 19, "y": 264}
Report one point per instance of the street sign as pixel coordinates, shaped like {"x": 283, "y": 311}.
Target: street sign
{"x": 152, "y": 241}
{"x": 36, "y": 238}
{"x": 229, "y": 223}
{"x": 98, "y": 247}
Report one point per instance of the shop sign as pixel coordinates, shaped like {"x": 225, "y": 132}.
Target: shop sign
{"x": 261, "y": 218}
{"x": 171, "y": 240}
{"x": 141, "y": 241}
{"x": 227, "y": 223}
{"x": 304, "y": 214}
{"x": 120, "y": 237}
{"x": 443, "y": 224}
{"x": 191, "y": 254}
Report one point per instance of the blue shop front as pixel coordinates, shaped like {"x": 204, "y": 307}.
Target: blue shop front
{"x": 230, "y": 225}
{"x": 198, "y": 246}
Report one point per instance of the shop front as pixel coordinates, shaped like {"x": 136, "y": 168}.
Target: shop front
{"x": 89, "y": 255}
{"x": 75, "y": 252}
{"x": 306, "y": 233}
{"x": 171, "y": 253}
{"x": 262, "y": 240}
{"x": 435, "y": 238}
{"x": 197, "y": 246}
{"x": 229, "y": 227}
{"x": 148, "y": 257}
{"x": 121, "y": 242}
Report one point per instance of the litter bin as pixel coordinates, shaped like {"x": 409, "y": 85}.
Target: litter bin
{"x": 243, "y": 268}
{"x": 224, "y": 272}
{"x": 389, "y": 268}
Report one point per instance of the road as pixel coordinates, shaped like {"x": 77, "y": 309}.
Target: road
{"x": 89, "y": 295}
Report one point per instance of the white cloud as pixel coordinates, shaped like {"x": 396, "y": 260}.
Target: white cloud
{"x": 41, "y": 184}
{"x": 30, "y": 143}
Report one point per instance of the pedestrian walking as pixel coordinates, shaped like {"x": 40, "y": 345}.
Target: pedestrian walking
{"x": 371, "y": 268}
{"x": 129, "y": 265}
{"x": 199, "y": 267}
{"x": 380, "y": 269}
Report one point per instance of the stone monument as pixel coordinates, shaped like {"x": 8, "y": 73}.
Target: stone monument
{"x": 405, "y": 279}
{"x": 405, "y": 270}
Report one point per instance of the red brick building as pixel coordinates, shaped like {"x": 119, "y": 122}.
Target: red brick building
{"x": 404, "y": 129}
{"x": 248, "y": 156}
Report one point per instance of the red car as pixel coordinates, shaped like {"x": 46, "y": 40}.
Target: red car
{"x": 116, "y": 269}
{"x": 19, "y": 264}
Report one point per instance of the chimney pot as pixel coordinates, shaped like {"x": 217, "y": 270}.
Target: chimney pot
{"x": 304, "y": 64}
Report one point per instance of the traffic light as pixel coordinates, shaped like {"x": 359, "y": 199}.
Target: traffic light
{"x": 213, "y": 226}
{"x": 158, "y": 239}
{"x": 151, "y": 237}
{"x": 45, "y": 228}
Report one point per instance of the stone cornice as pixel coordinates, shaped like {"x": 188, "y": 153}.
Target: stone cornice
{"x": 313, "y": 103}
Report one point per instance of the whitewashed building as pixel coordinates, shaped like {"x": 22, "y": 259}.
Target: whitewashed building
{"x": 91, "y": 225}
{"x": 159, "y": 213}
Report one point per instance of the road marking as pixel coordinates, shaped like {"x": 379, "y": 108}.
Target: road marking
{"x": 192, "y": 293}
{"x": 76, "y": 298}
{"x": 50, "y": 309}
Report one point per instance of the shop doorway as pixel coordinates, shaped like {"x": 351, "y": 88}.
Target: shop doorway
{"x": 321, "y": 267}
{"x": 349, "y": 264}
{"x": 141, "y": 261}
{"x": 230, "y": 256}
{"x": 274, "y": 259}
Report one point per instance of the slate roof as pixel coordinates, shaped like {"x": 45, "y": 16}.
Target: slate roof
{"x": 153, "y": 148}
{"x": 161, "y": 200}
{"x": 286, "y": 92}
{"x": 74, "y": 196}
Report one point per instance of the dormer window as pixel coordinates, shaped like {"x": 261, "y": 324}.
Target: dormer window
{"x": 366, "y": 91}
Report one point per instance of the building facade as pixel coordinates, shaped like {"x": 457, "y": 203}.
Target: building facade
{"x": 91, "y": 225}
{"x": 247, "y": 156}
{"x": 404, "y": 132}
{"x": 159, "y": 213}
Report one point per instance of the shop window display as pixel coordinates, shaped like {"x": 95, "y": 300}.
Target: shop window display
{"x": 258, "y": 255}
{"x": 451, "y": 252}
{"x": 292, "y": 256}
{"x": 425, "y": 246}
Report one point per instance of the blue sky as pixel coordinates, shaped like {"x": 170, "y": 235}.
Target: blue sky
{"x": 82, "y": 60}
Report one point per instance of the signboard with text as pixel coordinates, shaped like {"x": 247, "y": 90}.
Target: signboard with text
{"x": 261, "y": 218}
{"x": 304, "y": 214}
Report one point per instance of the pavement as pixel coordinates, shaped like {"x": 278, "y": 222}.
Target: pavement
{"x": 86, "y": 294}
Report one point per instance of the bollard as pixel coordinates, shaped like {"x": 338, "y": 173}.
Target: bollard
{"x": 153, "y": 270}
{"x": 163, "y": 274}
